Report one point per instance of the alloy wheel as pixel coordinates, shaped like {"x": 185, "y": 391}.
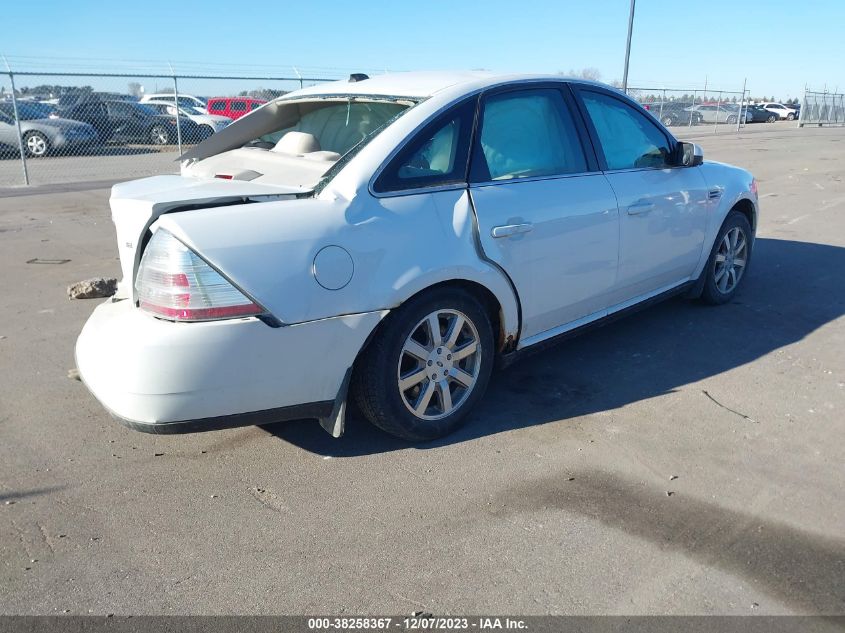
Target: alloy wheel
{"x": 159, "y": 135}
{"x": 731, "y": 259}
{"x": 36, "y": 144}
{"x": 439, "y": 364}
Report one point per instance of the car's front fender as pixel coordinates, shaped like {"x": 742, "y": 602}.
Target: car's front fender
{"x": 734, "y": 185}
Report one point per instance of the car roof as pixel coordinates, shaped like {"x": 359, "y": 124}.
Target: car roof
{"x": 421, "y": 84}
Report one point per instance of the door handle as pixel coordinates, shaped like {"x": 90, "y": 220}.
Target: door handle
{"x": 641, "y": 208}
{"x": 506, "y": 230}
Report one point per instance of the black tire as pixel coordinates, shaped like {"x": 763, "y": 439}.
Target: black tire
{"x": 790, "y": 117}
{"x": 771, "y": 118}
{"x": 712, "y": 293}
{"x": 731, "y": 120}
{"x": 159, "y": 135}
{"x": 36, "y": 144}
{"x": 375, "y": 380}
{"x": 668, "y": 120}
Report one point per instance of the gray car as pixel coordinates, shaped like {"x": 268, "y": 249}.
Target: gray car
{"x": 713, "y": 113}
{"x": 42, "y": 135}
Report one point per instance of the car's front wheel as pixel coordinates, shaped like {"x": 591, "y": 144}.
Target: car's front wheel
{"x": 729, "y": 260}
{"x": 790, "y": 117}
{"x": 771, "y": 118}
{"x": 36, "y": 144}
{"x": 668, "y": 120}
{"x": 427, "y": 366}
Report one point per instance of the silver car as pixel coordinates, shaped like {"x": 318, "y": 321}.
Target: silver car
{"x": 713, "y": 113}
{"x": 41, "y": 135}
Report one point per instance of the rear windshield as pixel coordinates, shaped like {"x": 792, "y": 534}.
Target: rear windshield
{"x": 338, "y": 127}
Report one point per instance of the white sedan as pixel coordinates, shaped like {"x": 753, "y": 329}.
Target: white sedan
{"x": 387, "y": 239}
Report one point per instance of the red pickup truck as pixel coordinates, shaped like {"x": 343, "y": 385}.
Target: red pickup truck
{"x": 233, "y": 107}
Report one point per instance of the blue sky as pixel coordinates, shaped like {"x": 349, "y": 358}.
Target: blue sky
{"x": 778, "y": 45}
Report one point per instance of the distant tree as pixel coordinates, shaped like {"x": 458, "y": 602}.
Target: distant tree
{"x": 134, "y": 88}
{"x": 52, "y": 90}
{"x": 591, "y": 74}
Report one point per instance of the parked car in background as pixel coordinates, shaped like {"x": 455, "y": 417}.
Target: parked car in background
{"x": 141, "y": 123}
{"x": 210, "y": 122}
{"x": 674, "y": 113}
{"x": 364, "y": 255}
{"x": 42, "y": 135}
{"x": 758, "y": 114}
{"x": 784, "y": 112}
{"x": 69, "y": 99}
{"x": 128, "y": 121}
{"x": 185, "y": 101}
{"x": 93, "y": 112}
{"x": 233, "y": 107}
{"x": 717, "y": 112}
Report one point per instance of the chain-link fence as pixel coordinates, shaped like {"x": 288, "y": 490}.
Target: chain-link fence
{"x": 695, "y": 110}
{"x": 87, "y": 126}
{"x": 822, "y": 109}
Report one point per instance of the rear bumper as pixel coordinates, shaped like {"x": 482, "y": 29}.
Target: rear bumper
{"x": 163, "y": 377}
{"x": 315, "y": 410}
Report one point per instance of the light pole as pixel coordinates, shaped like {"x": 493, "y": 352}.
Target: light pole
{"x": 628, "y": 47}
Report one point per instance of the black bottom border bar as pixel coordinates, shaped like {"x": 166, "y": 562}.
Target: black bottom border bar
{"x": 426, "y": 622}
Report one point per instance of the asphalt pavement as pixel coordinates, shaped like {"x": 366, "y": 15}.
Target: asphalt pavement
{"x": 685, "y": 460}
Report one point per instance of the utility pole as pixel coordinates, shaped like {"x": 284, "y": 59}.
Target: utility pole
{"x": 628, "y": 47}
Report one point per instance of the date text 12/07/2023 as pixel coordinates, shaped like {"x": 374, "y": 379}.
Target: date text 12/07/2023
{"x": 414, "y": 623}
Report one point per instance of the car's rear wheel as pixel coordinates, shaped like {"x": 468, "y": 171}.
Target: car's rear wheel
{"x": 729, "y": 260}
{"x": 771, "y": 118}
{"x": 159, "y": 135}
{"x": 668, "y": 120}
{"x": 36, "y": 144}
{"x": 427, "y": 366}
{"x": 790, "y": 117}
{"x": 731, "y": 119}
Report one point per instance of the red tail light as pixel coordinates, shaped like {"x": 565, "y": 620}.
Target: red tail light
{"x": 175, "y": 283}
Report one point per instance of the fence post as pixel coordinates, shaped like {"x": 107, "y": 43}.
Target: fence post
{"x": 803, "y": 108}
{"x": 742, "y": 105}
{"x": 176, "y": 103}
{"x": 298, "y": 75}
{"x": 691, "y": 109}
{"x": 17, "y": 123}
{"x": 662, "y": 103}
{"x": 718, "y": 105}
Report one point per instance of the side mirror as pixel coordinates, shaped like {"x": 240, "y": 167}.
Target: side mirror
{"x": 690, "y": 154}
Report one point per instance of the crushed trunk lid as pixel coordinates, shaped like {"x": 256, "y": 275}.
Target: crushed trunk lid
{"x": 137, "y": 204}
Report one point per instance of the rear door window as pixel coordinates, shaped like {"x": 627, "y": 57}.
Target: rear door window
{"x": 238, "y": 106}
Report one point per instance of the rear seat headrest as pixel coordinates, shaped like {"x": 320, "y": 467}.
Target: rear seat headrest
{"x": 297, "y": 143}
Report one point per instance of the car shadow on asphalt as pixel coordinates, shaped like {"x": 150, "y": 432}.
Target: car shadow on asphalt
{"x": 11, "y": 497}
{"x": 801, "y": 569}
{"x": 793, "y": 288}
